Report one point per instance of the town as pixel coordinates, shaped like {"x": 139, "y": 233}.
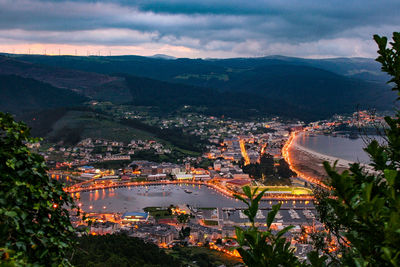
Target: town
{"x": 232, "y": 151}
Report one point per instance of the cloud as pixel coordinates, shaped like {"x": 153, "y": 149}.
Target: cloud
{"x": 217, "y": 28}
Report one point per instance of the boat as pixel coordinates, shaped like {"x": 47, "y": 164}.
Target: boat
{"x": 188, "y": 191}
{"x": 353, "y": 135}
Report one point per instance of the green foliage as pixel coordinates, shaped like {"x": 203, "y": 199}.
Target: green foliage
{"x": 175, "y": 136}
{"x": 266, "y": 171}
{"x": 183, "y": 218}
{"x": 184, "y": 233}
{"x": 283, "y": 169}
{"x": 119, "y": 250}
{"x": 34, "y": 223}
{"x": 19, "y": 94}
{"x": 363, "y": 209}
{"x": 205, "y": 163}
{"x": 254, "y": 86}
{"x": 390, "y": 58}
{"x": 210, "y": 222}
{"x": 159, "y": 213}
{"x": 263, "y": 248}
{"x": 203, "y": 256}
{"x": 41, "y": 122}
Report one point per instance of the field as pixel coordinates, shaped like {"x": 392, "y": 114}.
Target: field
{"x": 210, "y": 222}
{"x": 296, "y": 190}
{"x": 158, "y": 212}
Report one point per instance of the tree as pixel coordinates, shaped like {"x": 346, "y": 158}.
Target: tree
{"x": 183, "y": 218}
{"x": 362, "y": 211}
{"x": 120, "y": 250}
{"x": 184, "y": 233}
{"x": 267, "y": 165}
{"x": 284, "y": 170}
{"x": 34, "y": 221}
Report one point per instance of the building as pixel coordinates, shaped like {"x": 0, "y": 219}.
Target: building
{"x": 184, "y": 176}
{"x": 117, "y": 157}
{"x": 241, "y": 176}
{"x": 104, "y": 228}
{"x": 159, "y": 234}
{"x": 202, "y": 177}
{"x": 135, "y": 217}
{"x": 157, "y": 177}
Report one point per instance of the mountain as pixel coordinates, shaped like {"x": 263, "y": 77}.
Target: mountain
{"x": 319, "y": 90}
{"x": 162, "y": 56}
{"x": 19, "y": 95}
{"x": 169, "y": 97}
{"x": 307, "y": 89}
{"x": 93, "y": 85}
{"x": 158, "y": 68}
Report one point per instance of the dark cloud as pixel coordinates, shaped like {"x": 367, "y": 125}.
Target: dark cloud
{"x": 309, "y": 28}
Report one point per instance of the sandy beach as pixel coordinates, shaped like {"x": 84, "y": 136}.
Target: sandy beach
{"x": 309, "y": 162}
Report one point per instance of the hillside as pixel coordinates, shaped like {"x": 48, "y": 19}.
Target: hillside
{"x": 208, "y": 69}
{"x": 240, "y": 87}
{"x": 171, "y": 96}
{"x": 70, "y": 125}
{"x": 93, "y": 85}
{"x": 19, "y": 95}
{"x": 304, "y": 86}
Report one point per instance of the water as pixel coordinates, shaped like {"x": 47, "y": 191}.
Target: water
{"x": 339, "y": 147}
{"x": 137, "y": 198}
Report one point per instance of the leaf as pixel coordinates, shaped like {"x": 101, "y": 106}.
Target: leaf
{"x": 242, "y": 199}
{"x": 367, "y": 191}
{"x": 259, "y": 196}
{"x": 271, "y": 215}
{"x": 284, "y": 231}
{"x": 239, "y": 235}
{"x": 390, "y": 176}
{"x": 316, "y": 260}
{"x": 247, "y": 191}
{"x": 11, "y": 214}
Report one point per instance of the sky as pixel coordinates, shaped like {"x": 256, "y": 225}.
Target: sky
{"x": 197, "y": 28}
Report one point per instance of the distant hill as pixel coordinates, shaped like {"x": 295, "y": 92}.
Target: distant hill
{"x": 319, "y": 90}
{"x": 93, "y": 85}
{"x": 350, "y": 67}
{"x": 162, "y": 56}
{"x": 19, "y": 95}
{"x": 307, "y": 89}
{"x": 167, "y": 68}
{"x": 172, "y": 96}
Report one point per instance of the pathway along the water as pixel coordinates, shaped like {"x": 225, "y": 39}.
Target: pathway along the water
{"x": 138, "y": 197}
{"x": 299, "y": 173}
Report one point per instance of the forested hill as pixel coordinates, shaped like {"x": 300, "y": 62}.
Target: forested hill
{"x": 172, "y": 96}
{"x": 19, "y": 94}
{"x": 300, "y": 88}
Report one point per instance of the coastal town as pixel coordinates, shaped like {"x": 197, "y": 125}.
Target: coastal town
{"x": 95, "y": 168}
{"x": 199, "y": 133}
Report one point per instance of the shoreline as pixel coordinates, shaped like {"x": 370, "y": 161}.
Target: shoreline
{"x": 331, "y": 159}
{"x": 224, "y": 191}
{"x": 308, "y": 163}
